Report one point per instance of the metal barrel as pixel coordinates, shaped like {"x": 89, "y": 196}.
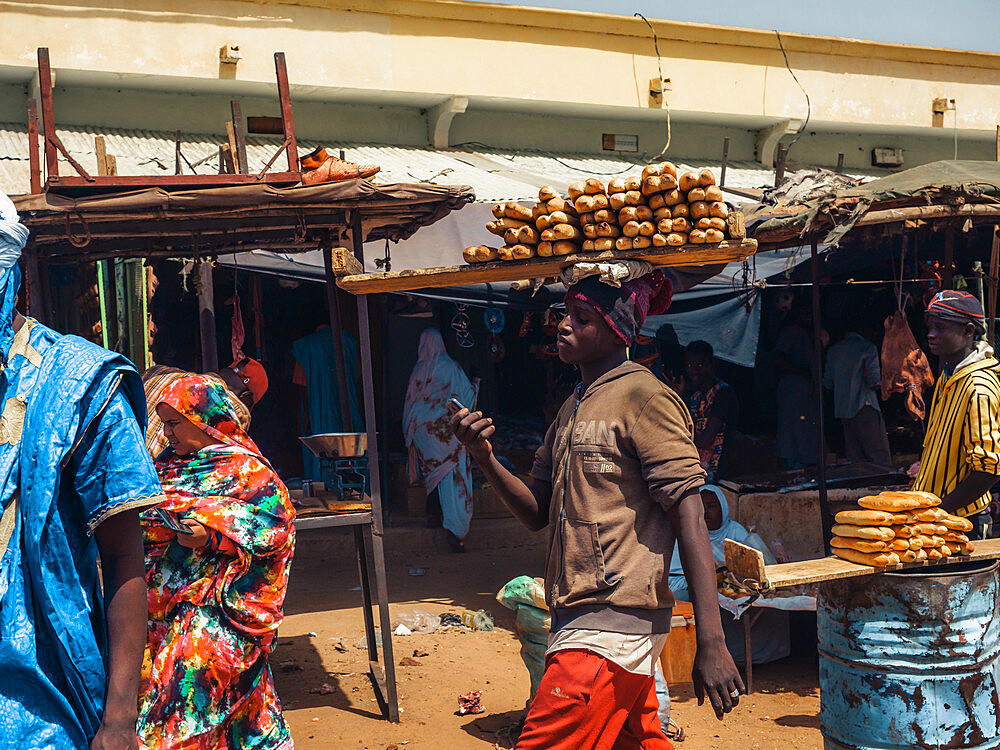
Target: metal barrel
{"x": 909, "y": 660}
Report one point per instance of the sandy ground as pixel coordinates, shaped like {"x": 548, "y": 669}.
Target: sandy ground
{"x": 320, "y": 643}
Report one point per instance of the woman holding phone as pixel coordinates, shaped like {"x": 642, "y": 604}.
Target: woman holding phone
{"x": 218, "y": 552}
{"x": 435, "y": 453}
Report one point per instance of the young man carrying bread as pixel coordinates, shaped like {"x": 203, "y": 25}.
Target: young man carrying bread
{"x": 960, "y": 462}
{"x": 616, "y": 480}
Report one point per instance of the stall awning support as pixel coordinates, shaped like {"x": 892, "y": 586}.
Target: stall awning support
{"x": 824, "y": 502}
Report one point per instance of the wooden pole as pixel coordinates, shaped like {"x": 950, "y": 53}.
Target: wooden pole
{"x": 34, "y": 164}
{"x": 240, "y": 137}
{"x": 48, "y": 114}
{"x": 725, "y": 162}
{"x": 949, "y": 258}
{"x": 998, "y": 144}
{"x": 178, "y": 168}
{"x": 287, "y": 124}
{"x": 336, "y": 330}
{"x": 992, "y": 284}
{"x": 840, "y": 163}
{"x": 824, "y": 503}
{"x": 779, "y": 166}
{"x": 206, "y": 319}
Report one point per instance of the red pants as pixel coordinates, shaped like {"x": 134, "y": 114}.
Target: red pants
{"x": 586, "y": 702}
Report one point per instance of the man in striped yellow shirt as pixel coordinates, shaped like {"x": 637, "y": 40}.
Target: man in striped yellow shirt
{"x": 961, "y": 457}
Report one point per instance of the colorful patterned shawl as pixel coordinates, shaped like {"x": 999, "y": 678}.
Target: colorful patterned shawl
{"x": 231, "y": 489}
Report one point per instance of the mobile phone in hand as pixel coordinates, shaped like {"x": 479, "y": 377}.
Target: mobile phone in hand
{"x": 172, "y": 523}
{"x": 454, "y": 406}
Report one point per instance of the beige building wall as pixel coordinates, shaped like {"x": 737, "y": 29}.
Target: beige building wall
{"x": 552, "y": 80}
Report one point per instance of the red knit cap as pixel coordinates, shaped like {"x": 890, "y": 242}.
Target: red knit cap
{"x": 253, "y": 375}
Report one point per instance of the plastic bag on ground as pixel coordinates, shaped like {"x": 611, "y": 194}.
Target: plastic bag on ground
{"x": 418, "y": 621}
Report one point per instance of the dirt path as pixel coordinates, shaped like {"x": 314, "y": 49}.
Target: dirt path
{"x": 323, "y": 615}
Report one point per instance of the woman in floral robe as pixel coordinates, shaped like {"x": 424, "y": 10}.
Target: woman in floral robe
{"x": 216, "y": 593}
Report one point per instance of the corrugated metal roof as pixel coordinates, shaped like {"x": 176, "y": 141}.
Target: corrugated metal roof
{"x": 494, "y": 174}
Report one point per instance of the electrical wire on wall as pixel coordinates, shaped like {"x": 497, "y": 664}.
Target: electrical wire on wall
{"x": 659, "y": 72}
{"x": 805, "y": 122}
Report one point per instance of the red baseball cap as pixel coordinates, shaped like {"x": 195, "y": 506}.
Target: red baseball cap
{"x": 253, "y": 375}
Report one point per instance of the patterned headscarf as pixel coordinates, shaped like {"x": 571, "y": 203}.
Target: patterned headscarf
{"x": 625, "y": 308}
{"x": 958, "y": 307}
{"x": 209, "y": 407}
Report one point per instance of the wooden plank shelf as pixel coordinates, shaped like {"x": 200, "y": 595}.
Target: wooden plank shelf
{"x": 744, "y": 563}
{"x": 537, "y": 268}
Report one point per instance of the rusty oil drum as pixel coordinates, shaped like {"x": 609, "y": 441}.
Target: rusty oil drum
{"x": 909, "y": 660}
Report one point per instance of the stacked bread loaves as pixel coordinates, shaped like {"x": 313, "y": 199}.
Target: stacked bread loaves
{"x": 896, "y": 527}
{"x": 557, "y": 223}
{"x": 598, "y": 220}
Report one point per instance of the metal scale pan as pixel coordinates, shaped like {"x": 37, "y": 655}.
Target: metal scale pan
{"x": 343, "y": 461}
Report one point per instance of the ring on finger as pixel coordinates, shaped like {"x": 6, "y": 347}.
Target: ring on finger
{"x": 734, "y": 694}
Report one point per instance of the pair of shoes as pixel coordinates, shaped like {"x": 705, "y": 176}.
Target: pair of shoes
{"x": 454, "y": 543}
{"x": 674, "y": 731}
{"x": 319, "y": 167}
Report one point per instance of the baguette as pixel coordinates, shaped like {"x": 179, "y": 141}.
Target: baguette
{"x": 865, "y": 517}
{"x": 659, "y": 240}
{"x": 606, "y": 214}
{"x": 718, "y": 209}
{"x": 617, "y": 185}
{"x": 498, "y": 211}
{"x": 697, "y": 237}
{"x": 587, "y": 246}
{"x": 687, "y": 181}
{"x": 563, "y": 247}
{"x": 561, "y": 217}
{"x": 522, "y": 252}
{"x": 714, "y": 235}
{"x": 627, "y": 214}
{"x": 662, "y": 213}
{"x": 877, "y": 533}
{"x": 547, "y": 193}
{"x": 565, "y": 232}
{"x": 713, "y": 193}
{"x": 876, "y": 560}
{"x": 680, "y": 211}
{"x": 658, "y": 201}
{"x": 925, "y": 515}
{"x": 590, "y": 231}
{"x": 510, "y": 236}
{"x": 617, "y": 201}
{"x": 538, "y": 209}
{"x": 561, "y": 204}
{"x": 543, "y": 222}
{"x": 584, "y": 204}
{"x": 706, "y": 178}
{"x": 933, "y": 553}
{"x": 955, "y": 523}
{"x": 696, "y": 194}
{"x": 647, "y": 229}
{"x": 898, "y": 545}
{"x": 505, "y": 253}
{"x": 527, "y": 235}
{"x": 953, "y": 537}
{"x": 593, "y": 186}
{"x": 587, "y": 219}
{"x": 574, "y": 191}
{"x": 606, "y": 229}
{"x": 676, "y": 239}
{"x": 630, "y": 229}
{"x": 601, "y": 201}
{"x": 623, "y": 243}
{"x": 666, "y": 226}
{"x": 672, "y": 197}
{"x": 652, "y": 170}
{"x": 641, "y": 242}
{"x": 544, "y": 249}
{"x": 698, "y": 209}
{"x": 514, "y": 210}
{"x": 894, "y": 502}
{"x": 862, "y": 545}
{"x": 924, "y": 529}
{"x": 478, "y": 253}
{"x": 602, "y": 244}
{"x": 634, "y": 198}
{"x": 680, "y": 224}
{"x": 633, "y": 183}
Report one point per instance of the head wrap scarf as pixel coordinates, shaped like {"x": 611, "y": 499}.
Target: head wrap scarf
{"x": 958, "y": 307}
{"x": 13, "y": 237}
{"x": 625, "y": 308}
{"x": 208, "y": 405}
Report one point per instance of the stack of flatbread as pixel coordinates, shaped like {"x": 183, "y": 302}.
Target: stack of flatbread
{"x": 896, "y": 527}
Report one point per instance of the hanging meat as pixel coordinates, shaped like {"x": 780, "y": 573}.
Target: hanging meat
{"x": 905, "y": 368}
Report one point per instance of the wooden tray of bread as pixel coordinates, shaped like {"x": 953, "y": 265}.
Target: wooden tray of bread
{"x": 659, "y": 217}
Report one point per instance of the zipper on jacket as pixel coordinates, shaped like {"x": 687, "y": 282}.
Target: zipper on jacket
{"x": 562, "y": 507}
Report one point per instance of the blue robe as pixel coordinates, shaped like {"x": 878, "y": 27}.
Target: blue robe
{"x": 82, "y": 460}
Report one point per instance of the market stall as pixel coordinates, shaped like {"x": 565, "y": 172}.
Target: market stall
{"x": 199, "y": 224}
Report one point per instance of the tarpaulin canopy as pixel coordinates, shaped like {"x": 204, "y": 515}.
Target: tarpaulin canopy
{"x": 158, "y": 223}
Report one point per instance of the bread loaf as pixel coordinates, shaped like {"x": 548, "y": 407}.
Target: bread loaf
{"x": 680, "y": 224}
{"x": 510, "y": 236}
{"x": 876, "y": 559}
{"x": 562, "y": 217}
{"x": 925, "y": 515}
{"x": 933, "y": 553}
{"x": 954, "y": 537}
{"x": 584, "y": 204}
{"x": 589, "y": 231}
{"x": 641, "y": 242}
{"x": 894, "y": 502}
{"x": 498, "y": 211}
{"x": 561, "y": 204}
{"x": 714, "y": 235}
{"x": 662, "y": 213}
{"x": 574, "y": 191}
{"x": 627, "y": 214}
{"x": 602, "y": 244}
{"x": 522, "y": 252}
{"x": 593, "y": 186}
{"x": 547, "y": 193}
{"x": 564, "y": 247}
{"x": 861, "y": 545}
{"x": 479, "y": 254}
{"x": 587, "y": 246}
{"x": 657, "y": 201}
{"x": 706, "y": 178}
{"x": 565, "y": 232}
{"x": 633, "y": 183}
{"x": 926, "y": 529}
{"x": 616, "y": 201}
{"x": 865, "y": 517}
{"x": 687, "y": 181}
{"x": 647, "y": 229}
{"x": 666, "y": 226}
{"x": 543, "y": 222}
{"x": 544, "y": 249}
{"x": 956, "y": 524}
{"x": 630, "y": 228}
{"x": 606, "y": 214}
{"x": 898, "y": 545}
{"x": 587, "y": 218}
{"x": 956, "y": 549}
{"x": 505, "y": 253}
{"x": 697, "y": 237}
{"x": 680, "y": 211}
{"x": 651, "y": 170}
{"x": 606, "y": 229}
{"x": 634, "y": 198}
{"x": 698, "y": 210}
{"x": 514, "y": 210}
{"x": 527, "y": 235}
{"x": 718, "y": 209}
{"x": 659, "y": 240}
{"x": 878, "y": 533}
{"x": 623, "y": 243}
{"x": 617, "y": 185}
{"x": 539, "y": 209}
{"x": 676, "y": 239}
{"x": 713, "y": 193}
{"x": 927, "y": 499}
{"x": 672, "y": 197}
{"x": 696, "y": 194}
{"x": 703, "y": 224}
{"x": 910, "y": 555}
{"x": 602, "y": 201}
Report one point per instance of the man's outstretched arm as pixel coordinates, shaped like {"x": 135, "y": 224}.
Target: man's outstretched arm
{"x": 119, "y": 540}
